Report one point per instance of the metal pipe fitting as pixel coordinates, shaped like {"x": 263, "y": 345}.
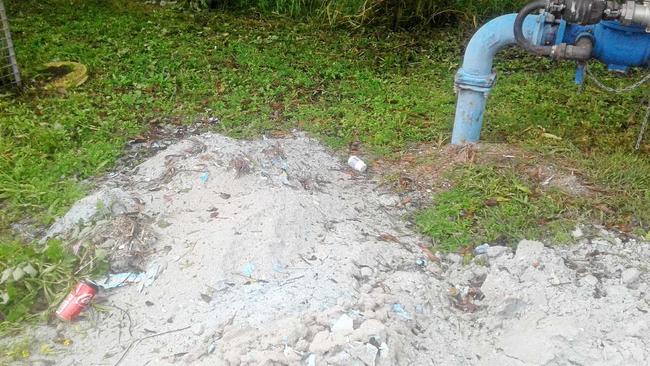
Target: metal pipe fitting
{"x": 633, "y": 13}
{"x": 580, "y": 52}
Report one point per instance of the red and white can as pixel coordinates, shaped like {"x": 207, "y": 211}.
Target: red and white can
{"x": 76, "y": 301}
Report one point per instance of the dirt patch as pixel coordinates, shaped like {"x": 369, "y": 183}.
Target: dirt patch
{"x": 273, "y": 252}
{"x": 422, "y": 169}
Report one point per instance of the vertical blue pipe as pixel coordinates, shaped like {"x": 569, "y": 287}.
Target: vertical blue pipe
{"x": 475, "y": 78}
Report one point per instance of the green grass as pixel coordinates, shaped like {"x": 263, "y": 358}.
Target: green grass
{"x": 266, "y": 73}
{"x": 496, "y": 205}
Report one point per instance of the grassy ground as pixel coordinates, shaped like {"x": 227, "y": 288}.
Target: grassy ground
{"x": 382, "y": 89}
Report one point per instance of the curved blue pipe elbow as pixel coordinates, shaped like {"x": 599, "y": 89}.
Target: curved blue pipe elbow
{"x": 475, "y": 78}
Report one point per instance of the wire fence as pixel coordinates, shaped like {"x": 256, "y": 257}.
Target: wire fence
{"x": 9, "y": 72}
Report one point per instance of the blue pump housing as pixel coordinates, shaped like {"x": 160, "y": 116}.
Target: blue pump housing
{"x": 614, "y": 44}
{"x": 618, "y": 46}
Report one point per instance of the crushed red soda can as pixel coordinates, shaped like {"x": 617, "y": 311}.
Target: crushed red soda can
{"x": 77, "y": 300}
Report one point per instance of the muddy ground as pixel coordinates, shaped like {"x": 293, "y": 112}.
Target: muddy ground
{"x": 274, "y": 252}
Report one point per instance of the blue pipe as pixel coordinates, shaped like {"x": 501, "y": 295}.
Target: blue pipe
{"x": 475, "y": 78}
{"x": 614, "y": 44}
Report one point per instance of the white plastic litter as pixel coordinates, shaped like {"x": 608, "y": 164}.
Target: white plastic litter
{"x": 357, "y": 164}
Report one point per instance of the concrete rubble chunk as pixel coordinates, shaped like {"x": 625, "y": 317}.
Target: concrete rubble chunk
{"x": 366, "y": 353}
{"x": 370, "y": 328}
{"x": 496, "y": 251}
{"x": 344, "y": 325}
{"x": 630, "y": 277}
{"x": 577, "y": 233}
{"x": 454, "y": 258}
{"x": 529, "y": 250}
{"x": 320, "y": 343}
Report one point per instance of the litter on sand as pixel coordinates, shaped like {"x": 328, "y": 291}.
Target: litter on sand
{"x": 401, "y": 312}
{"x": 248, "y": 269}
{"x": 204, "y": 177}
{"x": 120, "y": 279}
{"x": 357, "y": 164}
{"x": 152, "y": 273}
{"x": 481, "y": 249}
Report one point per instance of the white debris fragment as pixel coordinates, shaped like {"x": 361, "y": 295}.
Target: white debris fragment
{"x": 343, "y": 325}
{"x": 577, "y": 233}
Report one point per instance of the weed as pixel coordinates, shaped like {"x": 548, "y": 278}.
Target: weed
{"x": 31, "y": 279}
{"x": 34, "y": 279}
{"x": 18, "y": 350}
{"x": 489, "y": 204}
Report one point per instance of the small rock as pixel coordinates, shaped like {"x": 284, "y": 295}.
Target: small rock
{"x": 341, "y": 358}
{"x": 371, "y": 328}
{"x": 366, "y": 354}
{"x": 496, "y": 251}
{"x": 455, "y": 258}
{"x": 577, "y": 233}
{"x": 366, "y": 272}
{"x": 480, "y": 272}
{"x": 630, "y": 277}
{"x": 344, "y": 325}
{"x": 197, "y": 328}
{"x": 320, "y": 343}
{"x": 481, "y": 260}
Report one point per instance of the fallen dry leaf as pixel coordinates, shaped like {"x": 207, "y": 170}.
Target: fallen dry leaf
{"x": 432, "y": 257}
{"x": 388, "y": 237}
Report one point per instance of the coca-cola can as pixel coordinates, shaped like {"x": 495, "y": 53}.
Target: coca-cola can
{"x": 76, "y": 301}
